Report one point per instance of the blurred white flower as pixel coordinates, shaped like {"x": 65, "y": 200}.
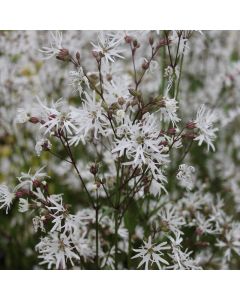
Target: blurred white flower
{"x": 185, "y": 176}
{"x": 151, "y": 253}
{"x": 89, "y": 117}
{"x": 22, "y": 116}
{"x": 42, "y": 144}
{"x": 6, "y": 197}
{"x": 108, "y": 46}
{"x": 23, "y": 205}
{"x": 204, "y": 122}
{"x": 169, "y": 110}
{"x": 55, "y": 250}
{"x": 78, "y": 80}
{"x": 55, "y": 40}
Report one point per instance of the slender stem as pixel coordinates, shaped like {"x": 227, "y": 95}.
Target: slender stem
{"x": 180, "y": 71}
{"x": 69, "y": 152}
{"x": 116, "y": 238}
{"x": 97, "y": 229}
{"x": 129, "y": 249}
{"x": 117, "y": 202}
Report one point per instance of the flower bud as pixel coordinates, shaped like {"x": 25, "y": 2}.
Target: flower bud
{"x": 128, "y": 39}
{"x": 94, "y": 169}
{"x": 145, "y": 65}
{"x": 64, "y": 55}
{"x": 34, "y": 120}
{"x": 151, "y": 40}
{"x": 191, "y": 125}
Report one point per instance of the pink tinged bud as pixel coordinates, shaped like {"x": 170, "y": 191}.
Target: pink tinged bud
{"x": 78, "y": 57}
{"x": 145, "y": 65}
{"x": 172, "y": 131}
{"x": 151, "y": 40}
{"x": 162, "y": 132}
{"x": 128, "y": 39}
{"x": 63, "y": 55}
{"x": 22, "y": 193}
{"x": 163, "y": 42}
{"x": 36, "y": 183}
{"x": 135, "y": 43}
{"x": 163, "y": 143}
{"x": 191, "y": 125}
{"x": 189, "y": 136}
{"x": 34, "y": 120}
{"x": 199, "y": 231}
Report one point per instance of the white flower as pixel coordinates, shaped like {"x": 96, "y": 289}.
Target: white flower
{"x": 41, "y": 145}
{"x": 57, "y": 117}
{"x": 55, "y": 45}
{"x": 120, "y": 114}
{"x": 27, "y": 180}
{"x": 168, "y": 111}
{"x": 38, "y": 223}
{"x": 151, "y": 253}
{"x": 78, "y": 80}
{"x": 55, "y": 250}
{"x": 181, "y": 260}
{"x": 231, "y": 241}
{"x": 185, "y": 176}
{"x": 204, "y": 122}
{"x": 117, "y": 90}
{"x": 204, "y": 225}
{"x": 170, "y": 220}
{"x": 22, "y": 116}
{"x": 6, "y": 197}
{"x": 141, "y": 142}
{"x": 23, "y": 205}
{"x": 88, "y": 118}
{"x": 107, "y": 46}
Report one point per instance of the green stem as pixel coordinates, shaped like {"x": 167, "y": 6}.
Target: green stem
{"x": 116, "y": 206}
{"x": 180, "y": 71}
{"x": 97, "y": 256}
{"x": 116, "y": 238}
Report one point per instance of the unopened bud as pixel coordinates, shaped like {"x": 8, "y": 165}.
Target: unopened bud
{"x": 128, "y": 39}
{"x": 191, "y": 125}
{"x": 135, "y": 43}
{"x": 63, "y": 55}
{"x": 34, "y": 120}
{"x": 121, "y": 101}
{"x": 94, "y": 169}
{"x": 78, "y": 57}
{"x": 172, "y": 131}
{"x": 189, "y": 136}
{"x": 151, "y": 40}
{"x": 134, "y": 93}
{"x": 145, "y": 65}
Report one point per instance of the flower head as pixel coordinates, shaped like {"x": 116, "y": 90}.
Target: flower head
{"x": 6, "y": 197}
{"x": 151, "y": 253}
{"x": 204, "y": 122}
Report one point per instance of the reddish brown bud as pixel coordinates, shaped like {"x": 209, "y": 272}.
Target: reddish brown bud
{"x": 151, "y": 40}
{"x": 189, "y": 136}
{"x": 199, "y": 231}
{"x": 191, "y": 125}
{"x": 34, "y": 120}
{"x": 36, "y": 183}
{"x": 145, "y": 65}
{"x": 21, "y": 193}
{"x": 135, "y": 44}
{"x": 63, "y": 55}
{"x": 128, "y": 39}
{"x": 172, "y": 131}
{"x": 94, "y": 169}
{"x": 78, "y": 57}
